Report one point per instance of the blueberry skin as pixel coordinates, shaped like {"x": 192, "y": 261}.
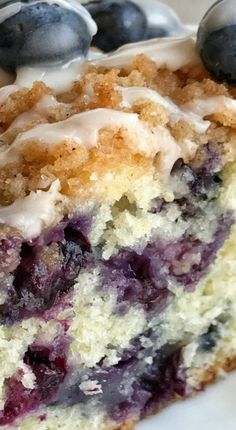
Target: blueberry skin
{"x": 119, "y": 22}
{"x": 42, "y": 33}
{"x": 216, "y": 41}
{"x": 218, "y": 53}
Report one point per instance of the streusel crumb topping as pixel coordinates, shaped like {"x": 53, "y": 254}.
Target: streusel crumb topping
{"x": 80, "y": 167}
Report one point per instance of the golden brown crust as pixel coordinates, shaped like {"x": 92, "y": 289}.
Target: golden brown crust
{"x": 128, "y": 425}
{"x": 210, "y": 375}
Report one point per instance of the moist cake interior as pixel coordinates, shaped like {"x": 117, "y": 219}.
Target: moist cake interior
{"x": 117, "y": 241}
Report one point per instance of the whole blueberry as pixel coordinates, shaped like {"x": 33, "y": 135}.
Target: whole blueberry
{"x": 119, "y": 22}
{"x": 216, "y": 41}
{"x": 162, "y": 19}
{"x": 41, "y": 33}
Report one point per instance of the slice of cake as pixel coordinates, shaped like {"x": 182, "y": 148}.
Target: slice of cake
{"x": 117, "y": 240}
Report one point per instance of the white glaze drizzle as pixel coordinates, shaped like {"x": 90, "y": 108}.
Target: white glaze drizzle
{"x": 132, "y": 94}
{"x": 173, "y": 52}
{"x": 209, "y": 106}
{"x": 6, "y": 91}
{"x": 31, "y": 214}
{"x": 39, "y": 112}
{"x": 59, "y": 78}
{"x": 83, "y": 129}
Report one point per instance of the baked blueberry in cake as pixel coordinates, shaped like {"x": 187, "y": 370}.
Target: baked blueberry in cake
{"x": 117, "y": 222}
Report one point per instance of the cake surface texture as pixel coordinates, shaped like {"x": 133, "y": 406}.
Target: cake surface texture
{"x": 117, "y": 239}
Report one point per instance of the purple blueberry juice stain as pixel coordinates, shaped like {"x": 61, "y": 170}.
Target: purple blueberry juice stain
{"x": 137, "y": 279}
{"x": 144, "y": 279}
{"x": 136, "y": 386}
{"x": 48, "y": 364}
{"x": 46, "y": 269}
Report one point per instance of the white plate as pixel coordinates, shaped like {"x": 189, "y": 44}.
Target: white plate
{"x": 214, "y": 409}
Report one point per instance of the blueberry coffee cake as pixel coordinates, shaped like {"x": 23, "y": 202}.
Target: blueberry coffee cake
{"x": 117, "y": 233}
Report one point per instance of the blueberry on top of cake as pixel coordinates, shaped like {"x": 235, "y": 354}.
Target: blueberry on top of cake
{"x": 117, "y": 223}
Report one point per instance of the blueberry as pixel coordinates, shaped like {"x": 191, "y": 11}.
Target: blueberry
{"x": 41, "y": 273}
{"x": 119, "y": 22}
{"x": 162, "y": 20}
{"x": 208, "y": 341}
{"x": 41, "y": 33}
{"x": 134, "y": 387}
{"x": 216, "y": 41}
{"x": 49, "y": 369}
